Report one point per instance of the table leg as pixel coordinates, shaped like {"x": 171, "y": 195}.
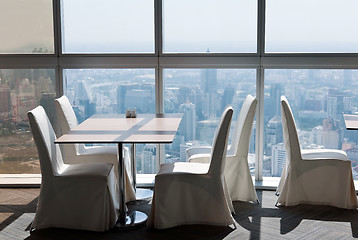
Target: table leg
{"x": 140, "y": 193}
{"x": 135, "y": 217}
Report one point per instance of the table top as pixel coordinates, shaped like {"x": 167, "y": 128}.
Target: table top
{"x": 115, "y": 128}
{"x": 351, "y": 121}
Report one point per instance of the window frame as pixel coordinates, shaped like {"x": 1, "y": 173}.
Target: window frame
{"x": 159, "y": 61}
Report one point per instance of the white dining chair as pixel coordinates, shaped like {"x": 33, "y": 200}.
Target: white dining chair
{"x": 194, "y": 193}
{"x": 321, "y": 181}
{"x": 80, "y": 153}
{"x": 237, "y": 172}
{"x": 75, "y": 196}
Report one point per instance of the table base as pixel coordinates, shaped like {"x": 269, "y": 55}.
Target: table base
{"x": 133, "y": 219}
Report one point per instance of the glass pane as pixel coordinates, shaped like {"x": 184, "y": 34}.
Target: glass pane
{"x": 201, "y": 95}
{"x": 203, "y": 26}
{"x": 318, "y": 98}
{"x": 26, "y": 27}
{"x": 108, "y": 26}
{"x": 109, "y": 91}
{"x": 22, "y": 90}
{"x": 311, "y": 26}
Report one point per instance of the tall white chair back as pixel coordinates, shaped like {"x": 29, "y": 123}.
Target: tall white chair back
{"x": 242, "y": 131}
{"x": 50, "y": 156}
{"x": 67, "y": 120}
{"x": 290, "y": 136}
{"x": 218, "y": 155}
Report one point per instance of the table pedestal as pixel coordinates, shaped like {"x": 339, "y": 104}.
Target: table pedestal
{"x": 135, "y": 218}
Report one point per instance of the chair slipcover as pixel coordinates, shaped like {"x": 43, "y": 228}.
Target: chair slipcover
{"x": 194, "y": 193}
{"x": 237, "y": 172}
{"x": 325, "y": 181}
{"x": 78, "y": 196}
{"x": 79, "y": 153}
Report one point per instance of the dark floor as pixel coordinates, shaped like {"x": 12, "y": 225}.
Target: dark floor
{"x": 263, "y": 221}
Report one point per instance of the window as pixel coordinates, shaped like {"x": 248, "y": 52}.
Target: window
{"x": 183, "y": 56}
{"x": 22, "y": 90}
{"x": 26, "y": 27}
{"x": 213, "y": 26}
{"x": 109, "y": 26}
{"x": 318, "y": 98}
{"x": 109, "y": 91}
{"x": 202, "y": 95}
{"x": 306, "y": 26}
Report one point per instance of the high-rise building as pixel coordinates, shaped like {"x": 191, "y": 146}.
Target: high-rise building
{"x": 316, "y": 136}
{"x": 5, "y": 104}
{"x": 278, "y": 159}
{"x": 188, "y": 123}
{"x": 208, "y": 80}
{"x": 81, "y": 90}
{"x": 138, "y": 96}
{"x": 149, "y": 159}
{"x": 47, "y": 102}
{"x": 331, "y": 134}
{"x": 22, "y": 100}
{"x": 121, "y": 96}
{"x": 276, "y": 91}
{"x": 337, "y": 104}
{"x": 274, "y": 134}
{"x": 227, "y": 97}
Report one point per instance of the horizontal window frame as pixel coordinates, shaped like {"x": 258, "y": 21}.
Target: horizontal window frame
{"x": 179, "y": 61}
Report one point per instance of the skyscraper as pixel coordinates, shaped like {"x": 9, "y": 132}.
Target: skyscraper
{"x": 188, "y": 123}
{"x": 149, "y": 159}
{"x": 274, "y": 134}
{"x": 208, "y": 80}
{"x": 121, "y": 95}
{"x": 278, "y": 159}
{"x": 5, "y": 103}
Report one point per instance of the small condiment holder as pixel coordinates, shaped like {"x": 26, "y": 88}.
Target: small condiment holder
{"x": 131, "y": 113}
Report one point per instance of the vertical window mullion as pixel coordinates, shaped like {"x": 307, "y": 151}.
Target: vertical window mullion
{"x": 259, "y": 124}
{"x": 260, "y": 91}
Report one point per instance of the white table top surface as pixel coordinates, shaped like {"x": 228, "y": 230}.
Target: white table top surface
{"x": 351, "y": 121}
{"x": 115, "y": 128}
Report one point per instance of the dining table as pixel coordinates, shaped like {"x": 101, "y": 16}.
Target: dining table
{"x": 351, "y": 121}
{"x": 119, "y": 129}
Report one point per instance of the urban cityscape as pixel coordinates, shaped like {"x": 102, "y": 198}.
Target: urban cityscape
{"x": 318, "y": 98}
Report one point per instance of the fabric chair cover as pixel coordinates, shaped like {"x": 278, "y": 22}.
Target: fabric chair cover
{"x": 322, "y": 181}
{"x": 78, "y": 196}
{"x": 79, "y": 153}
{"x": 237, "y": 172}
{"x": 194, "y": 193}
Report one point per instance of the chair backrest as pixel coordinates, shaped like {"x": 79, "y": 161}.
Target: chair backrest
{"x": 67, "y": 120}
{"x": 241, "y": 135}
{"x": 218, "y": 152}
{"x": 290, "y": 136}
{"x": 51, "y": 161}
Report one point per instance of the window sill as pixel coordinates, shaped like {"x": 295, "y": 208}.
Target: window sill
{"x": 143, "y": 180}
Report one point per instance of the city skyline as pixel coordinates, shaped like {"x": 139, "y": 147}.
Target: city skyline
{"x": 318, "y": 101}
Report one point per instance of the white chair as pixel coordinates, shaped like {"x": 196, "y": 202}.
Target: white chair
{"x": 78, "y": 196}
{"x": 237, "y": 172}
{"x": 79, "y": 153}
{"x": 194, "y": 193}
{"x": 321, "y": 181}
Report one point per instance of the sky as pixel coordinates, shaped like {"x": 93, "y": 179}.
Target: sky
{"x": 188, "y": 25}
